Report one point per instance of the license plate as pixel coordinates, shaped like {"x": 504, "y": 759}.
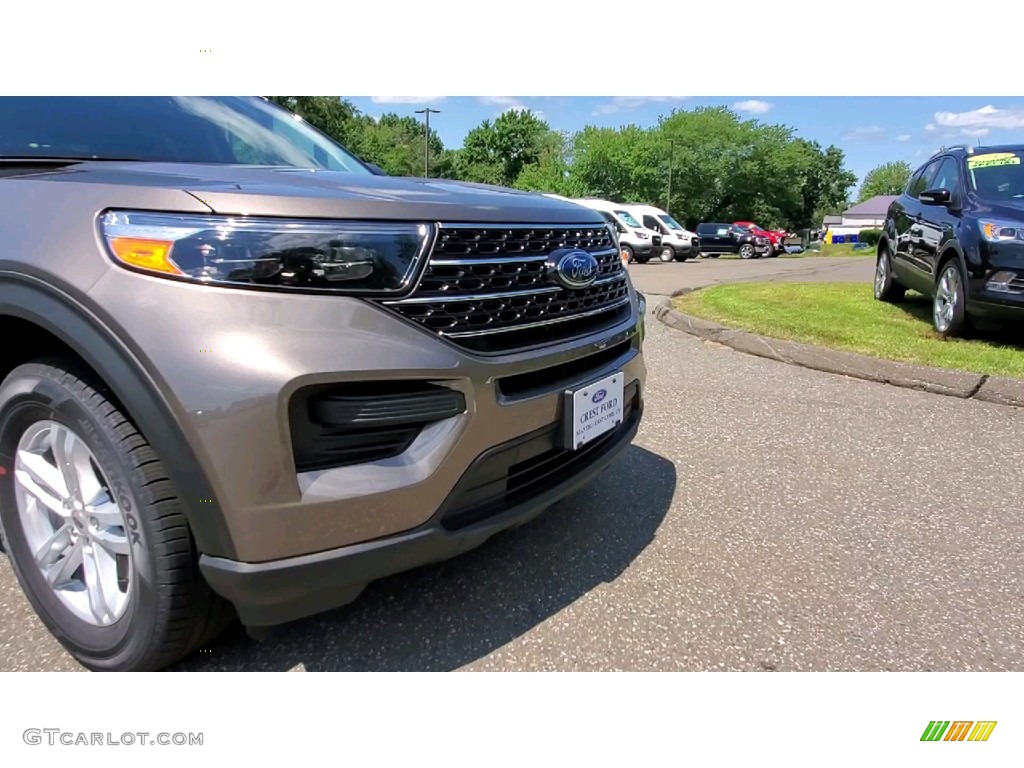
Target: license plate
{"x": 593, "y": 410}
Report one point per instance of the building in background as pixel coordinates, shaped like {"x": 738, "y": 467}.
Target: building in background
{"x": 867, "y": 215}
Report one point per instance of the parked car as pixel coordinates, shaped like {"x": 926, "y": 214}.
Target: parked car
{"x": 956, "y": 234}
{"x": 677, "y": 242}
{"x": 776, "y": 238}
{"x": 250, "y": 376}
{"x": 638, "y": 243}
{"x": 717, "y": 238}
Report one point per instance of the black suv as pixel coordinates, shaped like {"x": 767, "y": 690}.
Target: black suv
{"x": 956, "y": 234}
{"x": 718, "y": 238}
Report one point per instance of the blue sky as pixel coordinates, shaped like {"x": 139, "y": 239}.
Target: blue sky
{"x": 870, "y": 130}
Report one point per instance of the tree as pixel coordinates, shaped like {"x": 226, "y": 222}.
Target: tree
{"x": 887, "y": 179}
{"x": 825, "y": 189}
{"x": 395, "y": 143}
{"x": 622, "y": 165}
{"x": 552, "y": 173}
{"x": 723, "y": 168}
{"x": 496, "y": 153}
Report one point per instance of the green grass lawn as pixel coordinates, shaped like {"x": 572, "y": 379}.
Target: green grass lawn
{"x": 846, "y": 316}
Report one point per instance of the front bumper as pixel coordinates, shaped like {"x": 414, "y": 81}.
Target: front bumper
{"x": 994, "y": 305}
{"x": 268, "y": 594}
{"x": 229, "y": 360}
{"x": 643, "y": 249}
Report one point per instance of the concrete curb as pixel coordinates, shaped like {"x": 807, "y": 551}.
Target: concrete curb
{"x": 940, "y": 381}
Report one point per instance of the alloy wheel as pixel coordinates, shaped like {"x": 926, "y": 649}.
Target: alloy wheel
{"x": 74, "y": 527}
{"x": 881, "y": 275}
{"x": 947, "y": 294}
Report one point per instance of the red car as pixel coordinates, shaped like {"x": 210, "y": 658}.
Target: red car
{"x": 775, "y": 237}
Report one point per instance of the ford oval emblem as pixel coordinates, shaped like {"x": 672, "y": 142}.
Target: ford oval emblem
{"x": 572, "y": 268}
{"x": 600, "y": 395}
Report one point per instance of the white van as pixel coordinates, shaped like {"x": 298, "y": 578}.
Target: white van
{"x": 677, "y": 243}
{"x": 638, "y": 243}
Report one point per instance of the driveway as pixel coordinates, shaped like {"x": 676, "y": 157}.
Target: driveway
{"x": 768, "y": 517}
{"x": 659, "y": 279}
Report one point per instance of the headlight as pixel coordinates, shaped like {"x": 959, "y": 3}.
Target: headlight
{"x": 1001, "y": 231}
{"x": 641, "y": 235}
{"x": 343, "y": 256}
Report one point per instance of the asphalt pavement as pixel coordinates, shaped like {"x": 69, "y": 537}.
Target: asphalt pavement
{"x": 768, "y": 517}
{"x": 660, "y": 279}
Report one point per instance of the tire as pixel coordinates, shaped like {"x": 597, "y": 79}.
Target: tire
{"x": 630, "y": 253}
{"x": 747, "y": 251}
{"x": 667, "y": 253}
{"x": 886, "y": 287}
{"x": 120, "y": 534}
{"x": 949, "y": 304}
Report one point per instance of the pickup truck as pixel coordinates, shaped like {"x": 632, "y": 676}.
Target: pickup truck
{"x": 776, "y": 238}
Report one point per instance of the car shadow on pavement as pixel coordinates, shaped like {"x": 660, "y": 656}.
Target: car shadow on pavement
{"x": 441, "y": 617}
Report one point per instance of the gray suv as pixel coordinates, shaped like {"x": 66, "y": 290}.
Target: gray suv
{"x": 245, "y": 374}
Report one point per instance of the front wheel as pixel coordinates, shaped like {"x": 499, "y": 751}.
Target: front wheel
{"x": 94, "y": 529}
{"x": 628, "y": 254}
{"x": 746, "y": 251}
{"x": 949, "y": 307}
{"x": 667, "y": 253}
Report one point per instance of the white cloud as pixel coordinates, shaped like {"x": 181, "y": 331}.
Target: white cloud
{"x": 903, "y": 137}
{"x": 501, "y": 101}
{"x": 539, "y": 114}
{"x": 931, "y": 128}
{"x": 406, "y": 99}
{"x": 870, "y": 133}
{"x": 975, "y": 131}
{"x": 509, "y": 104}
{"x": 752, "y": 106}
{"x": 987, "y": 117}
{"x": 630, "y": 103}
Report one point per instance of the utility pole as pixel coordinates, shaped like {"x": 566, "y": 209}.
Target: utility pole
{"x": 427, "y": 112}
{"x": 671, "y": 157}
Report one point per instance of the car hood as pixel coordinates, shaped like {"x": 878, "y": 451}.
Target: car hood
{"x": 265, "y": 191}
{"x": 1005, "y": 209}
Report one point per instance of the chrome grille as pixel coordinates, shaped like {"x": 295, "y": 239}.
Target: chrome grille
{"x": 487, "y": 287}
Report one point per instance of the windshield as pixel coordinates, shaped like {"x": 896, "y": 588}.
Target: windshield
{"x": 672, "y": 223}
{"x": 627, "y": 217}
{"x": 175, "y": 129}
{"x": 997, "y": 175}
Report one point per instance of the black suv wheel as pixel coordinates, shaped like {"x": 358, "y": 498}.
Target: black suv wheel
{"x": 949, "y": 307}
{"x": 886, "y": 287}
